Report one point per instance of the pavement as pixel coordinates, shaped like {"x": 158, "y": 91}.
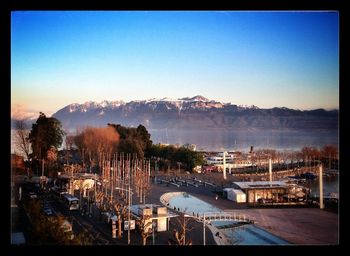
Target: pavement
{"x": 304, "y": 226}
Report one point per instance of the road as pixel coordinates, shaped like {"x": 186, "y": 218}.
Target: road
{"x": 82, "y": 223}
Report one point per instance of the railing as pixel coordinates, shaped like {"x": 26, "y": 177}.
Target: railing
{"x": 192, "y": 184}
{"x": 224, "y": 216}
{"x": 313, "y": 169}
{"x": 164, "y": 199}
{"x": 210, "y": 184}
{"x": 172, "y": 183}
{"x": 209, "y": 216}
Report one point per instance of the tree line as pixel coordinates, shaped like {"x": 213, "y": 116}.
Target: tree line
{"x": 169, "y": 156}
{"x": 41, "y": 146}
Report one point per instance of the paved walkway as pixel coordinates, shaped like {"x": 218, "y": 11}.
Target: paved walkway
{"x": 309, "y": 226}
{"x": 297, "y": 225}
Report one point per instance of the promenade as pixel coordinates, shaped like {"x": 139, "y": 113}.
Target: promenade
{"x": 306, "y": 226}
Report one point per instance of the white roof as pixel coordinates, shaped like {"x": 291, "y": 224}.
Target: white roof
{"x": 135, "y": 210}
{"x": 18, "y": 238}
{"x": 237, "y": 191}
{"x": 259, "y": 184}
{"x": 70, "y": 197}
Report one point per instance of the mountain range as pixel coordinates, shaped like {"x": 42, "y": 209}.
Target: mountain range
{"x": 193, "y": 113}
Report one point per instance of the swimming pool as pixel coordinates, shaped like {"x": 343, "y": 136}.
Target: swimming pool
{"x": 248, "y": 234}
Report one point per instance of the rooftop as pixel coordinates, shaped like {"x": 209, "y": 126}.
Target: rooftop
{"x": 260, "y": 184}
{"x": 136, "y": 208}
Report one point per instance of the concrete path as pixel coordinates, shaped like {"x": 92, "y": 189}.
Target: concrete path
{"x": 306, "y": 226}
{"x": 309, "y": 226}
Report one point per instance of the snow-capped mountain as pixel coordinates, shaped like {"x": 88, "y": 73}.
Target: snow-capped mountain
{"x": 196, "y": 112}
{"x": 197, "y": 102}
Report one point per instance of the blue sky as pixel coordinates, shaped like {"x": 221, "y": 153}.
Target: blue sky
{"x": 265, "y": 59}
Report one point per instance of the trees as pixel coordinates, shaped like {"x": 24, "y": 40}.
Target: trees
{"x": 21, "y": 138}
{"x": 121, "y": 213}
{"x": 49, "y": 230}
{"x": 52, "y": 161}
{"x": 144, "y": 227}
{"x": 179, "y": 238}
{"x": 93, "y": 142}
{"x": 141, "y": 180}
{"x": 133, "y": 140}
{"x": 45, "y": 133}
{"x": 329, "y": 155}
{"x": 187, "y": 157}
{"x": 131, "y": 145}
{"x": 145, "y": 137}
{"x": 310, "y": 154}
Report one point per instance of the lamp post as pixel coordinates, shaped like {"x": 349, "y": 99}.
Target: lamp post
{"x": 129, "y": 203}
{"x": 186, "y": 215}
{"x": 320, "y": 177}
{"x": 203, "y": 228}
{"x": 184, "y": 227}
{"x": 156, "y": 170}
{"x": 153, "y": 227}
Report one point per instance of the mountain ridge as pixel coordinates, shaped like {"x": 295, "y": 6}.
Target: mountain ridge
{"x": 195, "y": 112}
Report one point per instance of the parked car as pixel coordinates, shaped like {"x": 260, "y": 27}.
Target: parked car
{"x": 48, "y": 211}
{"x": 32, "y": 195}
{"x": 108, "y": 216}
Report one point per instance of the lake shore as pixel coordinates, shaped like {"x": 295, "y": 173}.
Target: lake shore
{"x": 304, "y": 226}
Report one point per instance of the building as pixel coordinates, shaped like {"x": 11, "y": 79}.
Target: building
{"x": 264, "y": 191}
{"x": 76, "y": 181}
{"x": 17, "y": 238}
{"x": 17, "y": 164}
{"x": 192, "y": 147}
{"x": 155, "y": 214}
{"x": 233, "y": 160}
{"x": 209, "y": 168}
{"x": 235, "y": 195}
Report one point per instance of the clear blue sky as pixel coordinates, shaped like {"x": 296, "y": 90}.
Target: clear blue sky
{"x": 267, "y": 59}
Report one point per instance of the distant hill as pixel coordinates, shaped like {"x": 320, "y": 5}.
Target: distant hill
{"x": 193, "y": 113}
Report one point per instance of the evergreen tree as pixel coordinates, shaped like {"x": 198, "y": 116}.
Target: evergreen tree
{"x": 45, "y": 133}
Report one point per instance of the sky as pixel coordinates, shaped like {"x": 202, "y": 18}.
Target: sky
{"x": 266, "y": 59}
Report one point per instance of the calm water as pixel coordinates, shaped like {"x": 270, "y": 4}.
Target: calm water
{"x": 252, "y": 235}
{"x": 242, "y": 140}
{"x": 330, "y": 185}
{"x": 244, "y": 235}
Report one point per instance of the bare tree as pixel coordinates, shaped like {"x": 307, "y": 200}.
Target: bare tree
{"x": 52, "y": 161}
{"x": 95, "y": 141}
{"x": 21, "y": 137}
{"x": 179, "y": 238}
{"x": 121, "y": 214}
{"x": 145, "y": 227}
{"x": 329, "y": 152}
{"x": 69, "y": 142}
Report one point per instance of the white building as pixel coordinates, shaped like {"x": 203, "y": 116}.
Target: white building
{"x": 232, "y": 162}
{"x": 157, "y": 214}
{"x": 235, "y": 195}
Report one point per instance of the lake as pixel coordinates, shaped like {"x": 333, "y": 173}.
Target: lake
{"x": 330, "y": 185}
{"x": 215, "y": 140}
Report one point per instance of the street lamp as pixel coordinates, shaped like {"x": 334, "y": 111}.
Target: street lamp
{"x": 184, "y": 227}
{"x": 129, "y": 199}
{"x": 155, "y": 171}
{"x": 186, "y": 215}
{"x": 153, "y": 227}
